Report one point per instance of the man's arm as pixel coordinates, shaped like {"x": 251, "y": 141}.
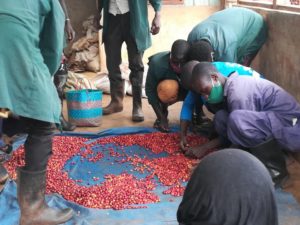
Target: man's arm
{"x": 156, "y": 24}
{"x": 185, "y": 118}
{"x": 184, "y": 124}
{"x": 68, "y": 26}
{"x": 187, "y": 107}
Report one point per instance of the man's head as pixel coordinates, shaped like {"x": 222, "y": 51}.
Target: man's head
{"x": 208, "y": 82}
{"x": 186, "y": 73}
{"x": 179, "y": 54}
{"x": 201, "y": 51}
{"x": 167, "y": 91}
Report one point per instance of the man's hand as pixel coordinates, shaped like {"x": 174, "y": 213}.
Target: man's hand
{"x": 69, "y": 30}
{"x": 155, "y": 26}
{"x": 201, "y": 150}
{"x": 68, "y": 26}
{"x": 184, "y": 146}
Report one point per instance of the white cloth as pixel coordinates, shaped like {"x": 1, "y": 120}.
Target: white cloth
{"x": 118, "y": 7}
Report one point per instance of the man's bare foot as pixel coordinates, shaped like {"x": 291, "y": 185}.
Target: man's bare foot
{"x": 158, "y": 125}
{"x": 200, "y": 151}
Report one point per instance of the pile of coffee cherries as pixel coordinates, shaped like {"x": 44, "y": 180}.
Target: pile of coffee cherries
{"x": 122, "y": 191}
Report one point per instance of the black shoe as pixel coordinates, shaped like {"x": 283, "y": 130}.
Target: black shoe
{"x": 272, "y": 156}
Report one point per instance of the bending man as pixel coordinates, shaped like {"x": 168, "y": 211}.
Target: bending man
{"x": 193, "y": 99}
{"x": 259, "y": 115}
{"x": 230, "y": 40}
{"x": 165, "y": 66}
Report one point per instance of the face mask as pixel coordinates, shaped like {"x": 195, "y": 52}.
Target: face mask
{"x": 216, "y": 93}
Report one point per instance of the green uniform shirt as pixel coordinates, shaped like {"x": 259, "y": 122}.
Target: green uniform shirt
{"x": 31, "y": 44}
{"x": 139, "y": 25}
{"x": 159, "y": 69}
{"x": 233, "y": 33}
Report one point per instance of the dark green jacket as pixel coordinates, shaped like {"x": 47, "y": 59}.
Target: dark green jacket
{"x": 159, "y": 69}
{"x": 234, "y": 33}
{"x": 31, "y": 44}
{"x": 138, "y": 20}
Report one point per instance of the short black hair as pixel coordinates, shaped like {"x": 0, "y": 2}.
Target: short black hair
{"x": 180, "y": 49}
{"x": 186, "y": 73}
{"x": 202, "y": 72}
{"x": 200, "y": 51}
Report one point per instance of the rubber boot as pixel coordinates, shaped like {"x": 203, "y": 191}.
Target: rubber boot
{"x": 117, "y": 96}
{"x": 272, "y": 156}
{"x": 137, "y": 112}
{"x": 31, "y": 196}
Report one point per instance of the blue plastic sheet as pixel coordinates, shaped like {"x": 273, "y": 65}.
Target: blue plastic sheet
{"x": 162, "y": 213}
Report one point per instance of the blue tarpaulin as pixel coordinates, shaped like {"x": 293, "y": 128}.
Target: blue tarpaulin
{"x": 162, "y": 213}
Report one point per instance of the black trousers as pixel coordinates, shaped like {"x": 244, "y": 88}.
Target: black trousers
{"x": 38, "y": 144}
{"x": 119, "y": 32}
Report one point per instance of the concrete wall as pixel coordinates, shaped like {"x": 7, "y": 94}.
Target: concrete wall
{"x": 279, "y": 58}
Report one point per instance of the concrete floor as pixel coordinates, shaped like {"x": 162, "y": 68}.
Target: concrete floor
{"x": 123, "y": 119}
